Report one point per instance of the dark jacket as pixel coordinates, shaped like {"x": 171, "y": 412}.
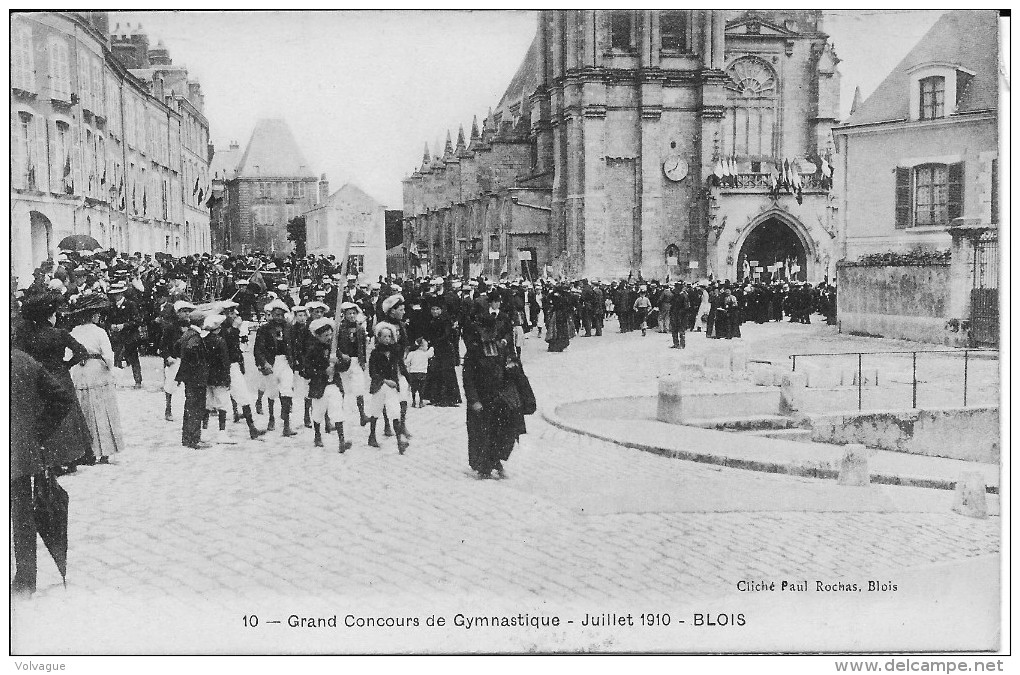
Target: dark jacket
{"x": 218, "y": 358}
{"x": 194, "y": 368}
{"x": 38, "y": 404}
{"x": 385, "y": 363}
{"x": 271, "y": 340}
{"x": 352, "y": 340}
{"x": 232, "y": 336}
{"x": 314, "y": 364}
{"x": 128, "y": 315}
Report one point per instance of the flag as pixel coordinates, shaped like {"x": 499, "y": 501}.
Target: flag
{"x": 200, "y": 196}
{"x": 774, "y": 184}
{"x": 715, "y": 178}
{"x": 195, "y": 191}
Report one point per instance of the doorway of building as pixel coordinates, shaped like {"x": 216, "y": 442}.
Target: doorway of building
{"x": 772, "y": 244}
{"x": 42, "y": 237}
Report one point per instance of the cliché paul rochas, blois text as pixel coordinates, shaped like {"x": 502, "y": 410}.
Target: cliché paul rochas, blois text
{"x": 815, "y": 585}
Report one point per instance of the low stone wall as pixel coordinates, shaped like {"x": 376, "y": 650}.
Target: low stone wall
{"x": 897, "y": 301}
{"x": 959, "y": 433}
{"x": 675, "y": 407}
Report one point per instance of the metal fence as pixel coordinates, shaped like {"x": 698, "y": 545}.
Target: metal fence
{"x": 966, "y": 354}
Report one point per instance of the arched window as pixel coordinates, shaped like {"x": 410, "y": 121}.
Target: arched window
{"x": 750, "y": 127}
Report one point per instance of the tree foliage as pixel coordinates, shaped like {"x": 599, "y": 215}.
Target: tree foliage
{"x": 297, "y": 232}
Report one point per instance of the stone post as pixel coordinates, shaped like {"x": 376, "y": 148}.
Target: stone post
{"x": 670, "y": 405}
{"x": 853, "y": 468}
{"x": 970, "y": 495}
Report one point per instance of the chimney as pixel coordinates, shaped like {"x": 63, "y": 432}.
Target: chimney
{"x": 323, "y": 189}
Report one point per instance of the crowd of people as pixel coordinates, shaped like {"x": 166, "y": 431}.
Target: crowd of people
{"x": 351, "y": 354}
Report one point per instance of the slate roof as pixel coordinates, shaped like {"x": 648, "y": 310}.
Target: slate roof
{"x": 272, "y": 152}
{"x": 224, "y": 163}
{"x": 523, "y": 82}
{"x": 968, "y": 39}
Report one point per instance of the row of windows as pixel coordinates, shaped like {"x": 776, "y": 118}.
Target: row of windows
{"x": 99, "y": 94}
{"x": 280, "y": 189}
{"x": 672, "y": 30}
{"x": 45, "y": 157}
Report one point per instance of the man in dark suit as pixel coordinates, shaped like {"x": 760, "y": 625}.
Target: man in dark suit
{"x": 679, "y": 308}
{"x": 38, "y": 404}
{"x": 125, "y": 331}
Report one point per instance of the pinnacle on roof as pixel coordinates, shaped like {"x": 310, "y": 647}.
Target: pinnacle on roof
{"x": 474, "y": 128}
{"x": 857, "y": 100}
{"x": 461, "y": 145}
{"x": 448, "y": 148}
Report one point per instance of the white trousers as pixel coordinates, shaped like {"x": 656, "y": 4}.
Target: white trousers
{"x": 389, "y": 399}
{"x": 239, "y": 390}
{"x": 331, "y": 403}
{"x": 217, "y": 398}
{"x": 300, "y": 388}
{"x": 170, "y": 377}
{"x": 280, "y": 382}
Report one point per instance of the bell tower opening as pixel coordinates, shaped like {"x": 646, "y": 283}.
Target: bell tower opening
{"x": 772, "y": 243}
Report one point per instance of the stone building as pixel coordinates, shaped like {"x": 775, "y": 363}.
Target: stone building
{"x": 258, "y": 191}
{"x": 600, "y": 158}
{"x": 108, "y": 139}
{"x": 349, "y": 211}
{"x": 917, "y": 175}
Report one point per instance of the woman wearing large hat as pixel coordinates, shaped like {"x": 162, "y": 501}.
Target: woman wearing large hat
{"x": 93, "y": 378}
{"x": 441, "y": 387}
{"x": 39, "y": 337}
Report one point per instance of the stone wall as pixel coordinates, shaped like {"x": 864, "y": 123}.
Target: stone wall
{"x": 907, "y": 302}
{"x": 970, "y": 434}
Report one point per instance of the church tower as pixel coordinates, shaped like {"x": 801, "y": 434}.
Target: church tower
{"x": 622, "y": 93}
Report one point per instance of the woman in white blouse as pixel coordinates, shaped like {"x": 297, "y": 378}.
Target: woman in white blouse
{"x": 93, "y": 378}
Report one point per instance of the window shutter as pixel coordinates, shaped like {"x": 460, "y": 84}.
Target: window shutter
{"x": 904, "y": 202}
{"x": 17, "y": 152}
{"x": 76, "y": 173}
{"x": 56, "y": 161}
{"x": 40, "y": 154}
{"x": 955, "y": 197}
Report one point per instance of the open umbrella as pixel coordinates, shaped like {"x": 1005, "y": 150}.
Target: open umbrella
{"x": 78, "y": 242}
{"x": 51, "y": 507}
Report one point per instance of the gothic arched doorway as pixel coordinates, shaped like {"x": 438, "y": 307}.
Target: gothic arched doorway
{"x": 772, "y": 243}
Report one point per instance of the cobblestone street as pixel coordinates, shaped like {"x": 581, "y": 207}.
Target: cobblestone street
{"x": 171, "y": 547}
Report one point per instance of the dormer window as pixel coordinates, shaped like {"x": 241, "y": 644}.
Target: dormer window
{"x": 936, "y": 90}
{"x": 933, "y": 98}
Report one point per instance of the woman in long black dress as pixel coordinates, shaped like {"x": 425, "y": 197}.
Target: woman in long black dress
{"x": 492, "y": 426}
{"x": 441, "y": 387}
{"x": 38, "y": 337}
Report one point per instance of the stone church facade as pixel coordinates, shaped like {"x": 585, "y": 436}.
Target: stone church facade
{"x": 602, "y": 156}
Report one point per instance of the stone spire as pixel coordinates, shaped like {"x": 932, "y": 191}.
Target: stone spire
{"x": 857, "y": 101}
{"x": 461, "y": 145}
{"x": 448, "y": 149}
{"x": 426, "y": 160}
{"x": 474, "y": 128}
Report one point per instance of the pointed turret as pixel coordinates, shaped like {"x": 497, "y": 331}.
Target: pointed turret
{"x": 461, "y": 144}
{"x": 474, "y": 128}
{"x": 448, "y": 148}
{"x": 426, "y": 159}
{"x": 857, "y": 100}
{"x": 437, "y": 156}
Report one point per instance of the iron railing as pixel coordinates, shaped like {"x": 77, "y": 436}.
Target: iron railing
{"x": 913, "y": 359}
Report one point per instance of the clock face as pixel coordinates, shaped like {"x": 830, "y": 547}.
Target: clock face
{"x": 675, "y": 168}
